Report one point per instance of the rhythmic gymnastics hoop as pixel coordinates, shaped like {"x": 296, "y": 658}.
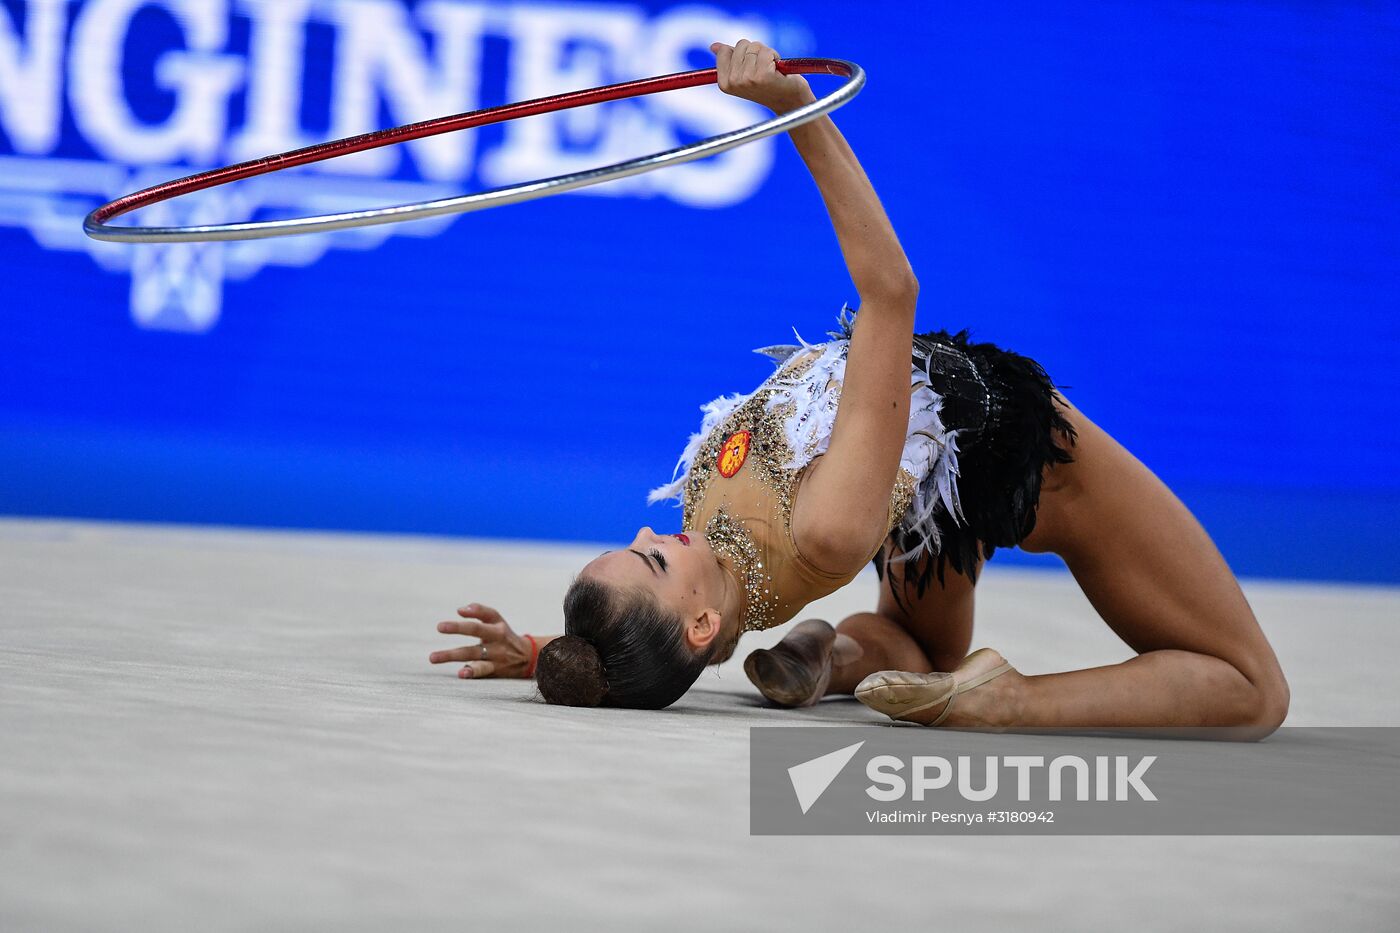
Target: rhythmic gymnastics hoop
{"x": 96, "y": 225}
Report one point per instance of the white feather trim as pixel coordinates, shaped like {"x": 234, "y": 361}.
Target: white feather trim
{"x": 714, "y": 414}
{"x": 930, "y": 451}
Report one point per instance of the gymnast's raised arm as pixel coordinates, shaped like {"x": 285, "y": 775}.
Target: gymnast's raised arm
{"x": 841, "y": 513}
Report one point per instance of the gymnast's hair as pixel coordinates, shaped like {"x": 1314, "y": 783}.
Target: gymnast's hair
{"x": 621, "y": 649}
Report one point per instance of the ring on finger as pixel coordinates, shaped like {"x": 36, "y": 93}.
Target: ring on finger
{"x": 483, "y": 653}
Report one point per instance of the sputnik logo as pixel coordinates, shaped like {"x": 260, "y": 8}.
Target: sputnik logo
{"x": 811, "y": 778}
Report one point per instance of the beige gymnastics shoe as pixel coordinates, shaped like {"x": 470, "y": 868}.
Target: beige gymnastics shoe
{"x": 795, "y": 672}
{"x": 908, "y": 697}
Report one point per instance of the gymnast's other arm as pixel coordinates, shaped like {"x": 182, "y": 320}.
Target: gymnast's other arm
{"x": 499, "y": 653}
{"x": 841, "y": 514}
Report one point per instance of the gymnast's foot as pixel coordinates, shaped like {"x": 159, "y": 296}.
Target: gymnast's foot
{"x": 980, "y": 694}
{"x": 796, "y": 671}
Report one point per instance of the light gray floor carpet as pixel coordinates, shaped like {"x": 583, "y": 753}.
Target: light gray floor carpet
{"x": 203, "y": 729}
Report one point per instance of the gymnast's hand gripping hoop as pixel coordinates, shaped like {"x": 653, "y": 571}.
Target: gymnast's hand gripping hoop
{"x": 96, "y": 225}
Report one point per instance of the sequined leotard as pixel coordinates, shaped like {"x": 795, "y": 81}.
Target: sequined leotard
{"x": 984, "y": 426}
{"x": 741, "y": 475}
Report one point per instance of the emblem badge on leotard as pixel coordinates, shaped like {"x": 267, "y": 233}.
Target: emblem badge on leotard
{"x": 733, "y": 454}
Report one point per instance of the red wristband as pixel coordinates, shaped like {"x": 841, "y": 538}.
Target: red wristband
{"x": 534, "y": 656}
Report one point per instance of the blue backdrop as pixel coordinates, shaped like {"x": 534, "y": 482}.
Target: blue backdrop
{"x": 1186, "y": 210}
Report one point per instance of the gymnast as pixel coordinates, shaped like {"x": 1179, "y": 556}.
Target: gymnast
{"x": 923, "y": 453}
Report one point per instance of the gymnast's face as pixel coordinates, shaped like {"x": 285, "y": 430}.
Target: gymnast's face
{"x": 680, "y": 571}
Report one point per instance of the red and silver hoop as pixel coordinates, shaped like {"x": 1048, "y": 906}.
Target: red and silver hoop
{"x": 96, "y": 225}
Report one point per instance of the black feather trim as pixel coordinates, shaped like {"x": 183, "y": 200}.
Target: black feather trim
{"x": 1010, "y": 429}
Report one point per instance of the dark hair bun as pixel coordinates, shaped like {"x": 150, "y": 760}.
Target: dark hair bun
{"x": 570, "y": 672}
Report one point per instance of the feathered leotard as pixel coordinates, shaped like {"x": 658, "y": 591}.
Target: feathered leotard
{"x": 983, "y": 425}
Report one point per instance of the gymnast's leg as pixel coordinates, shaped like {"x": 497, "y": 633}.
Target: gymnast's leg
{"x": 933, "y": 629}
{"x": 1155, "y": 577}
{"x": 912, "y": 633}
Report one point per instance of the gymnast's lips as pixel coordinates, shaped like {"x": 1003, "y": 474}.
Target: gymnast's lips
{"x": 683, "y": 539}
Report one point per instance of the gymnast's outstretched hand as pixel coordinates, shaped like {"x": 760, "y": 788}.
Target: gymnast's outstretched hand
{"x": 500, "y": 651}
{"x": 749, "y": 70}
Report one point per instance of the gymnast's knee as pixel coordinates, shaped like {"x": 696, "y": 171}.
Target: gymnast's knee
{"x": 866, "y": 627}
{"x": 885, "y": 642}
{"x": 1274, "y": 706}
{"x": 1267, "y": 706}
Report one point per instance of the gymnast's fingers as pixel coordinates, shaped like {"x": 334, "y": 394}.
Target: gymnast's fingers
{"x": 724, "y": 54}
{"x": 768, "y": 61}
{"x": 756, "y": 60}
{"x": 484, "y": 613}
{"x": 467, "y": 627}
{"x": 736, "y": 63}
{"x": 464, "y": 653}
{"x": 477, "y": 669}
